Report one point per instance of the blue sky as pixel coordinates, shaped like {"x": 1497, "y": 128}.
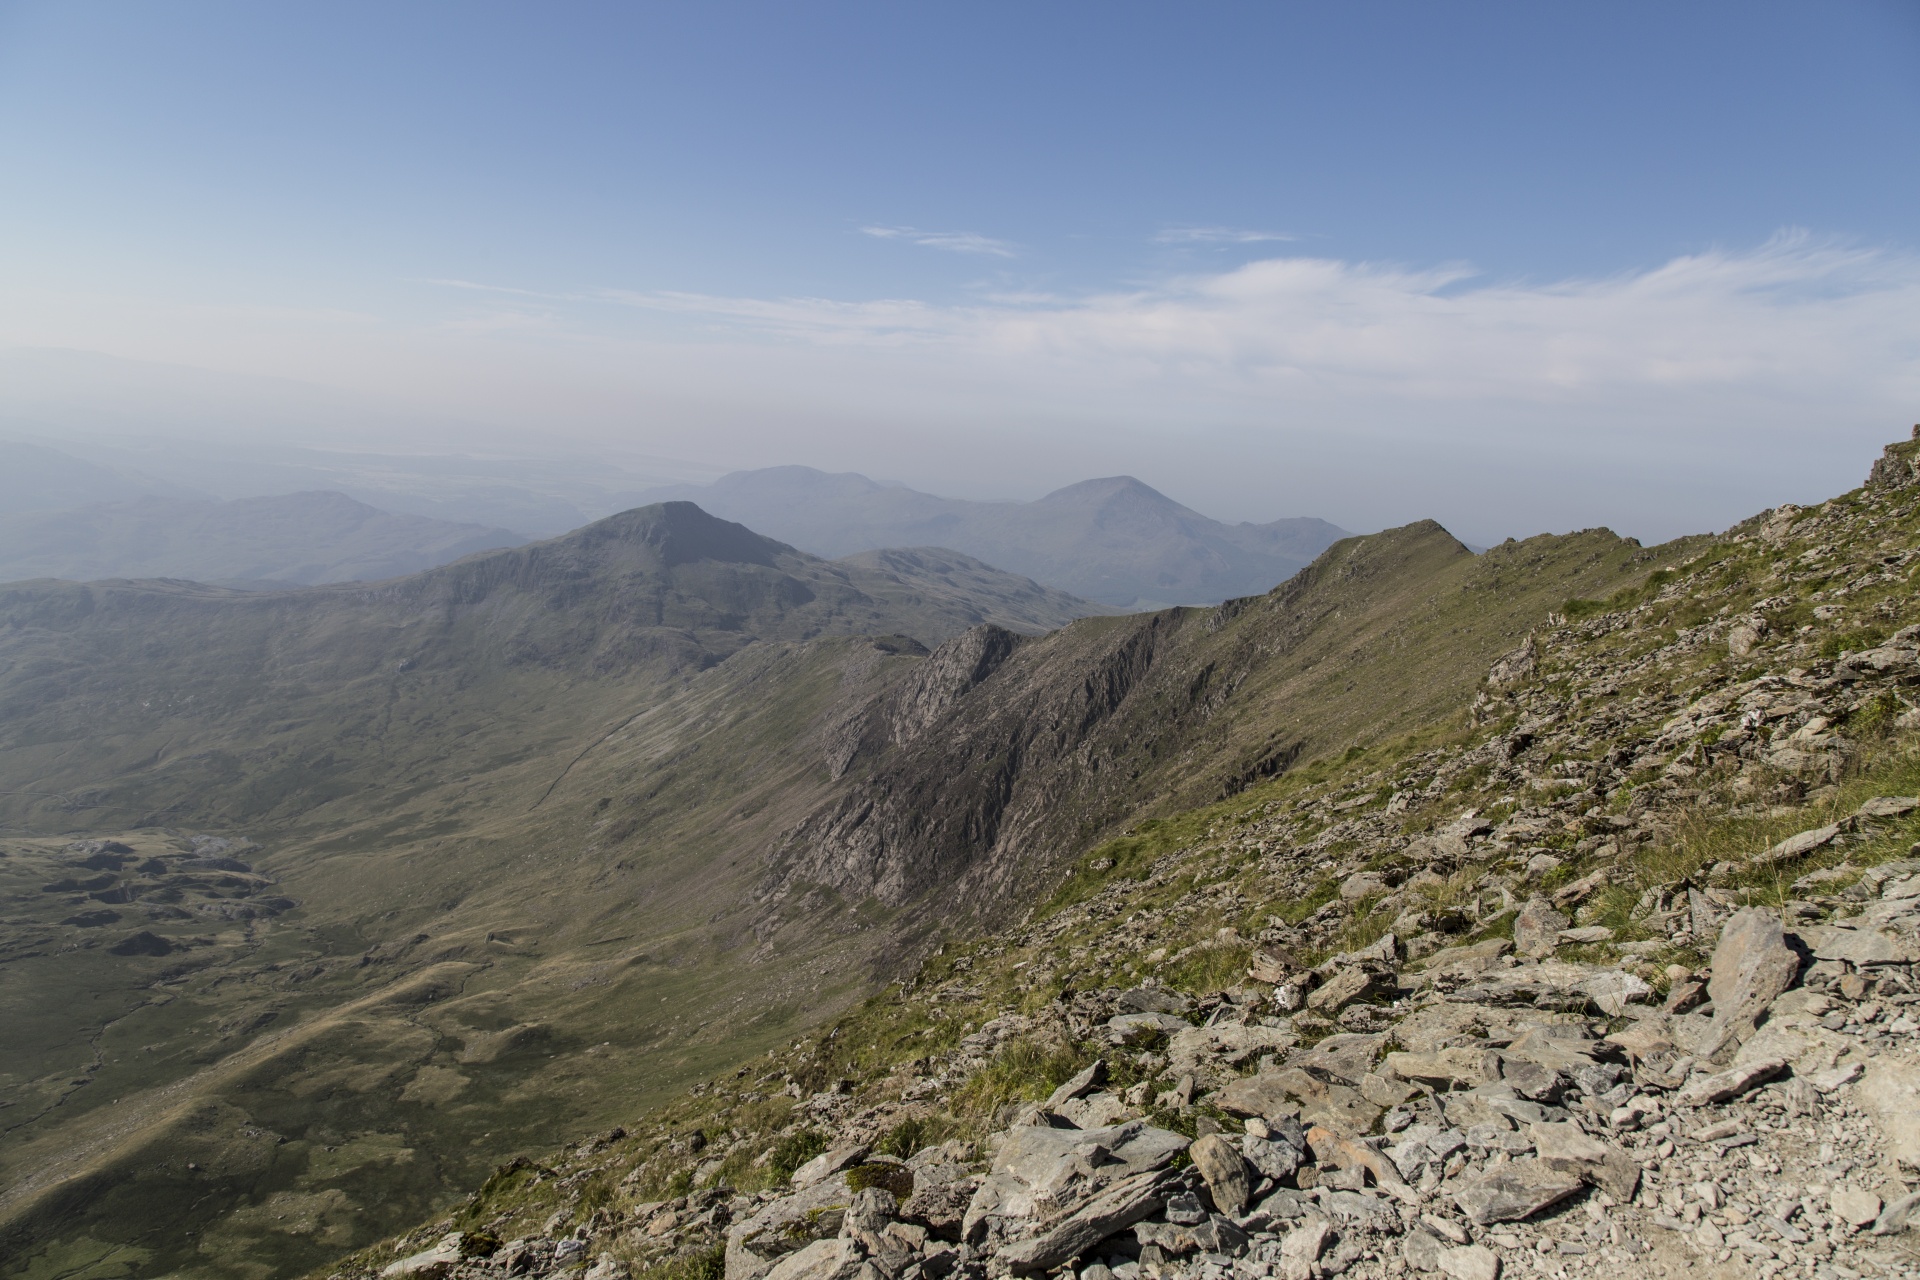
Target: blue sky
{"x": 1333, "y": 239}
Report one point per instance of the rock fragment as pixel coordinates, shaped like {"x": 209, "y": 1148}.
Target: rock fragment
{"x": 1515, "y": 1190}
{"x": 1536, "y": 930}
{"x": 1225, "y": 1171}
{"x": 1705, "y": 1090}
{"x": 1470, "y": 1262}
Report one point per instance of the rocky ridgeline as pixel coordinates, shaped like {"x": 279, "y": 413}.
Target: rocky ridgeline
{"x": 1618, "y": 977}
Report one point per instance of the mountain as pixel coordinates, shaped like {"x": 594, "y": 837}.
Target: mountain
{"x": 542, "y": 496}
{"x": 1604, "y": 971}
{"x": 321, "y": 902}
{"x": 34, "y": 478}
{"x": 1114, "y": 540}
{"x": 296, "y": 538}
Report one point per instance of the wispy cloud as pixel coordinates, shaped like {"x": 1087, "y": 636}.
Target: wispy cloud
{"x": 1795, "y": 310}
{"x": 476, "y": 287}
{"x": 1220, "y": 235}
{"x": 951, "y": 241}
{"x": 1678, "y": 395}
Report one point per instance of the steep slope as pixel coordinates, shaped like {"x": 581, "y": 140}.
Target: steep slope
{"x": 291, "y": 539}
{"x": 1001, "y": 745}
{"x": 547, "y": 833}
{"x": 1114, "y": 540}
{"x": 1605, "y": 976}
{"x": 439, "y": 933}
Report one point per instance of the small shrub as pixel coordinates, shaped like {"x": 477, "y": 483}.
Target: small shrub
{"x": 793, "y": 1151}
{"x": 887, "y": 1177}
{"x": 1851, "y": 641}
{"x": 705, "y": 1264}
{"x": 1875, "y": 719}
{"x": 1299, "y": 909}
{"x": 903, "y": 1139}
{"x": 1210, "y": 968}
{"x": 1023, "y": 1070}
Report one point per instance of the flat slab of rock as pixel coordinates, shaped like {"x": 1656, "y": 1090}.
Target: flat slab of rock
{"x": 1515, "y": 1190}
{"x": 1751, "y": 965}
{"x": 1702, "y": 1091}
{"x": 1292, "y": 1092}
{"x": 1115, "y": 1209}
{"x": 1463, "y": 1066}
{"x": 1889, "y": 1092}
{"x": 1039, "y": 1171}
{"x": 1348, "y": 1056}
{"x": 1800, "y": 845}
{"x": 1600, "y": 1163}
{"x": 834, "y": 1259}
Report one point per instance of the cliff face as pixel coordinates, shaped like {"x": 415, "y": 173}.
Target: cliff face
{"x": 963, "y": 782}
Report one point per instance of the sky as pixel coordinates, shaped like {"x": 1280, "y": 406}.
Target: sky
{"x": 1520, "y": 267}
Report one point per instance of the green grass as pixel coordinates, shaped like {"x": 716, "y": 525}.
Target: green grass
{"x": 1024, "y": 1070}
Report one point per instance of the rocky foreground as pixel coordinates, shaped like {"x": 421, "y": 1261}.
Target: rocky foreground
{"x": 1617, "y": 978}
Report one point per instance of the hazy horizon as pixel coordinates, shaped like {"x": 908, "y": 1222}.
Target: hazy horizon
{"x": 1514, "y": 270}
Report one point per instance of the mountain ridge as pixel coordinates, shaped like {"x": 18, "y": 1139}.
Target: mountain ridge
{"x": 1112, "y": 539}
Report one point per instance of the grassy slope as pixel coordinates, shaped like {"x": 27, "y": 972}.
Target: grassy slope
{"x": 584, "y": 958}
{"x": 1201, "y": 882}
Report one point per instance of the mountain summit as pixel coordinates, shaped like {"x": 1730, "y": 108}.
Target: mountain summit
{"x": 1113, "y": 539}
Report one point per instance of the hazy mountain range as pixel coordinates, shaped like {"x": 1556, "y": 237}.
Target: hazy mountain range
{"x": 290, "y": 539}
{"x": 1114, "y": 540}
{"x": 225, "y": 516}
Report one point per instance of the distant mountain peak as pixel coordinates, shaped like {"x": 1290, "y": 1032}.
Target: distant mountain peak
{"x": 1105, "y": 485}
{"x": 680, "y": 533}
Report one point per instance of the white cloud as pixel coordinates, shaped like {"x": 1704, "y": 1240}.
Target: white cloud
{"x": 952, "y": 241}
{"x": 1219, "y": 235}
{"x": 1682, "y": 395}
{"x": 1795, "y": 312}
